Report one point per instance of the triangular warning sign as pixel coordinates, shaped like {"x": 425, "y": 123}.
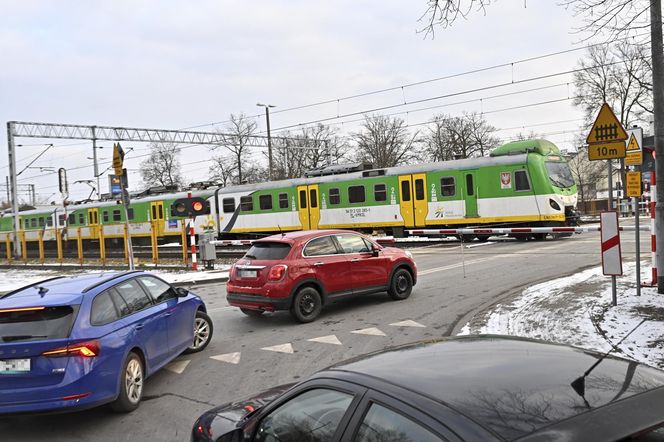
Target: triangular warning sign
{"x": 606, "y": 128}
{"x": 633, "y": 144}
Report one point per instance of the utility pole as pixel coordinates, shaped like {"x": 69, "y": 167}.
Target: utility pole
{"x": 12, "y": 180}
{"x": 94, "y": 158}
{"x": 269, "y": 138}
{"x": 657, "y": 54}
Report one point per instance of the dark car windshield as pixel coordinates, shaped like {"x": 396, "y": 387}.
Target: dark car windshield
{"x": 268, "y": 250}
{"x": 559, "y": 174}
{"x": 37, "y": 323}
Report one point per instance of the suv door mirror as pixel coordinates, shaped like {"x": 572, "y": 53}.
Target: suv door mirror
{"x": 181, "y": 292}
{"x": 375, "y": 251}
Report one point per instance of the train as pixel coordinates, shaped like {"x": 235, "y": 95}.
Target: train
{"x": 520, "y": 183}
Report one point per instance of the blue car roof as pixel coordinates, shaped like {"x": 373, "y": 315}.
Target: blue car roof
{"x": 58, "y": 291}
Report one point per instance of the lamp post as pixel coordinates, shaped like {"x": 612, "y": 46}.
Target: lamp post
{"x": 269, "y": 139}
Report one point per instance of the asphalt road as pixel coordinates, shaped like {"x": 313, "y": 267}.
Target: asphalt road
{"x": 248, "y": 355}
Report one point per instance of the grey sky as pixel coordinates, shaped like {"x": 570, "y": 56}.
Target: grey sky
{"x": 167, "y": 64}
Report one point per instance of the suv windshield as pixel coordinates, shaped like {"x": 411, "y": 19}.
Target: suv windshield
{"x": 268, "y": 250}
{"x": 40, "y": 323}
{"x": 559, "y": 174}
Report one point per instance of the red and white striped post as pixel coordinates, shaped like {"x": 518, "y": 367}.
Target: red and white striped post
{"x": 653, "y": 236}
{"x": 192, "y": 238}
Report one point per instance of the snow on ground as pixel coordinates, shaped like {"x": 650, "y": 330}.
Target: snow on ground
{"x": 13, "y": 279}
{"x": 577, "y": 310}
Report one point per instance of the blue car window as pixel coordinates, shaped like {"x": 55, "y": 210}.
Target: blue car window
{"x": 103, "y": 310}
{"x": 132, "y": 297}
{"x": 158, "y": 289}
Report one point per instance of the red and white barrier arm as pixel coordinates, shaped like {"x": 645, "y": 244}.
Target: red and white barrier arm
{"x": 235, "y": 242}
{"x": 504, "y": 231}
{"x": 192, "y": 237}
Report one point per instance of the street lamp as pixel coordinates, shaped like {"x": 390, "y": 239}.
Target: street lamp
{"x": 269, "y": 139}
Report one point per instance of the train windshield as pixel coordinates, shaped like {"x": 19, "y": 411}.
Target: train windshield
{"x": 559, "y": 174}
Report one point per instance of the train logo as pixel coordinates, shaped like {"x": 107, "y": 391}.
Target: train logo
{"x": 505, "y": 180}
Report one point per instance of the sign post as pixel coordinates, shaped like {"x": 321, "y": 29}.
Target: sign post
{"x": 118, "y": 160}
{"x": 611, "y": 253}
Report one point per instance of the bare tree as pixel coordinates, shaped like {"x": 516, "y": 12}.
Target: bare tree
{"x": 445, "y": 12}
{"x": 240, "y": 128}
{"x": 223, "y": 170}
{"x": 587, "y": 174}
{"x": 448, "y": 138}
{"x": 614, "y": 74}
{"x": 311, "y": 148}
{"x": 384, "y": 141}
{"x": 162, "y": 167}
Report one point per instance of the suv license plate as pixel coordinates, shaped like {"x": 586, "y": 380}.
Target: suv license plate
{"x": 248, "y": 273}
{"x": 11, "y": 366}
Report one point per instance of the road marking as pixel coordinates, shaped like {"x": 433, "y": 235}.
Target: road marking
{"x": 372, "y": 331}
{"x": 454, "y": 266}
{"x": 221, "y": 309}
{"x": 407, "y": 323}
{"x": 177, "y": 366}
{"x": 231, "y": 358}
{"x": 282, "y": 348}
{"x": 331, "y": 339}
{"x": 482, "y": 244}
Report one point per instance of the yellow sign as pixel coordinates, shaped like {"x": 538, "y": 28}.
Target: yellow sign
{"x": 118, "y": 158}
{"x": 633, "y": 184}
{"x": 634, "y": 154}
{"x": 606, "y": 128}
{"x": 606, "y": 151}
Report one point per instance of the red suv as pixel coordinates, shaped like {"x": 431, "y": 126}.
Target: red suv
{"x": 302, "y": 271}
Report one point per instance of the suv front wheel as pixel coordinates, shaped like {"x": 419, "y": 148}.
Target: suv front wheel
{"x": 307, "y": 304}
{"x": 401, "y": 285}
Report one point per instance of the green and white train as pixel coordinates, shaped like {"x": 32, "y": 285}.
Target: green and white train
{"x": 520, "y": 183}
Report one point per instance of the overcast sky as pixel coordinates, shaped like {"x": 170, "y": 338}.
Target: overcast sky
{"x": 167, "y": 64}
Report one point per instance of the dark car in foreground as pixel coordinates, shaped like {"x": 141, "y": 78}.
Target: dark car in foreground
{"x": 303, "y": 271}
{"x": 476, "y": 388}
{"x": 75, "y": 342}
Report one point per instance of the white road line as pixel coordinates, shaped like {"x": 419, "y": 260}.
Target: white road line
{"x": 330, "y": 339}
{"x": 372, "y": 331}
{"x": 231, "y": 358}
{"x": 407, "y": 323}
{"x": 282, "y": 348}
{"x": 177, "y": 366}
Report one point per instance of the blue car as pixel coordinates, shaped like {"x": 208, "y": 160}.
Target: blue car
{"x": 77, "y": 342}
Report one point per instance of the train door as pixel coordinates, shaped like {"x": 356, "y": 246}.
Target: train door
{"x": 93, "y": 222}
{"x": 420, "y": 203}
{"x": 157, "y": 212}
{"x": 406, "y": 201}
{"x": 471, "y": 194}
{"x": 308, "y": 206}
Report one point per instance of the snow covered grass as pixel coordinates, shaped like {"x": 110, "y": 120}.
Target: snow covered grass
{"x": 577, "y": 310}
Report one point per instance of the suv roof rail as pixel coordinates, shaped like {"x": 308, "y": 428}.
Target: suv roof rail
{"x": 110, "y": 278}
{"x": 28, "y": 286}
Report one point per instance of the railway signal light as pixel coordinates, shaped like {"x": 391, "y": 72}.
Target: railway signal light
{"x": 187, "y": 207}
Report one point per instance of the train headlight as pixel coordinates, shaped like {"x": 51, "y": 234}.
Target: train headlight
{"x": 554, "y": 205}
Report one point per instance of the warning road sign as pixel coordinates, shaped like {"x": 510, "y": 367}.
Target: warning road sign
{"x": 633, "y": 184}
{"x": 610, "y": 237}
{"x": 606, "y": 128}
{"x": 634, "y": 152}
{"x": 606, "y": 151}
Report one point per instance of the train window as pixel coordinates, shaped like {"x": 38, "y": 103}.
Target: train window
{"x": 20, "y": 223}
{"x": 265, "y": 202}
{"x": 521, "y": 182}
{"x": 49, "y": 222}
{"x": 104, "y": 216}
{"x": 229, "y": 205}
{"x": 380, "y": 192}
{"x": 246, "y": 203}
{"x": 335, "y": 196}
{"x": 283, "y": 201}
{"x": 130, "y": 213}
{"x": 161, "y": 211}
{"x": 61, "y": 220}
{"x": 405, "y": 191}
{"x": 356, "y": 194}
{"x": 72, "y": 218}
{"x": 116, "y": 215}
{"x": 470, "y": 189}
{"x": 303, "y": 199}
{"x": 33, "y": 222}
{"x": 154, "y": 212}
{"x": 42, "y": 222}
{"x": 419, "y": 189}
{"x": 313, "y": 199}
{"x": 81, "y": 218}
{"x": 447, "y": 186}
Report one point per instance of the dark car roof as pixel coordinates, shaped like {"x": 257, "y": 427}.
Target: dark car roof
{"x": 513, "y": 386}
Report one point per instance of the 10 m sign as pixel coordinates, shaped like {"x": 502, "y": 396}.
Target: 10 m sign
{"x": 607, "y": 151}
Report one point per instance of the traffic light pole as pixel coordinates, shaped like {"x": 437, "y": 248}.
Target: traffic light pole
{"x": 125, "y": 204}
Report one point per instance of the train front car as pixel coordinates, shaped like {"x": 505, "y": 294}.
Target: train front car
{"x": 552, "y": 181}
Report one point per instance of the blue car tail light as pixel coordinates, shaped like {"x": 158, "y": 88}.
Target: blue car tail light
{"x": 89, "y": 349}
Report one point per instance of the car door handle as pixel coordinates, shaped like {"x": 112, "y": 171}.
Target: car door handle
{"x": 168, "y": 314}
{"x": 139, "y": 327}
{"x": 355, "y": 260}
{"x": 318, "y": 264}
